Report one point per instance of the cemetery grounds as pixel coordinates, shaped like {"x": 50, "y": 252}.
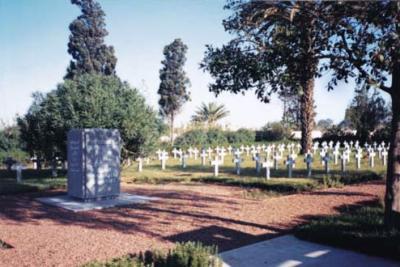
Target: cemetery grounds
{"x": 229, "y": 210}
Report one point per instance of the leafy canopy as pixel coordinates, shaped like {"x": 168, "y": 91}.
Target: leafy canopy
{"x": 90, "y": 101}
{"x": 210, "y": 113}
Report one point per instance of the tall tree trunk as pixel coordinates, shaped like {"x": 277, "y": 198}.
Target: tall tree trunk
{"x": 171, "y": 129}
{"x": 392, "y": 196}
{"x": 307, "y": 114}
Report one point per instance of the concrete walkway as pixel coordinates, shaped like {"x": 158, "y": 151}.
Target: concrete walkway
{"x": 287, "y": 251}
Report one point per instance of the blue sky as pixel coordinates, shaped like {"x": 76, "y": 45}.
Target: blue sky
{"x": 33, "y": 52}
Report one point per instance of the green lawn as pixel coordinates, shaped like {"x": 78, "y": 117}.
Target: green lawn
{"x": 360, "y": 229}
{"x": 195, "y": 173}
{"x": 279, "y": 183}
{"x": 32, "y": 181}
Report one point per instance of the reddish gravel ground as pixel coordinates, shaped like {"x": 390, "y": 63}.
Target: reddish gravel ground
{"x": 49, "y": 236}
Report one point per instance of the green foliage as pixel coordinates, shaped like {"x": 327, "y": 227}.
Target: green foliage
{"x": 197, "y": 137}
{"x": 86, "y": 42}
{"x": 214, "y": 137}
{"x": 11, "y": 144}
{"x": 173, "y": 86}
{"x": 90, "y": 101}
{"x": 275, "y": 131}
{"x": 291, "y": 117}
{"x": 209, "y": 114}
{"x": 360, "y": 229}
{"x": 189, "y": 254}
{"x": 241, "y": 136}
{"x": 366, "y": 112}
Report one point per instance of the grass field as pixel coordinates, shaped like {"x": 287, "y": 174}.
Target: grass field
{"x": 195, "y": 172}
{"x": 279, "y": 183}
{"x": 357, "y": 228}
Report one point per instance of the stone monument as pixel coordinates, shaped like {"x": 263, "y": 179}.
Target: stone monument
{"x": 93, "y": 163}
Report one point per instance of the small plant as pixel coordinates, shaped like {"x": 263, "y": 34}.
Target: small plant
{"x": 189, "y": 254}
{"x": 331, "y": 181}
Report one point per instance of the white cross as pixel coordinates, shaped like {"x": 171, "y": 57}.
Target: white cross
{"x": 247, "y": 150}
{"x": 290, "y": 164}
{"x": 174, "y": 151}
{"x": 308, "y": 160}
{"x": 358, "y": 159}
{"x": 326, "y": 159}
{"x": 163, "y": 159}
{"x": 203, "y": 156}
{"x": 336, "y": 154}
{"x": 216, "y": 164}
{"x": 257, "y": 159}
{"x": 384, "y": 157}
{"x": 140, "y": 164}
{"x": 190, "y": 150}
{"x": 267, "y": 165}
{"x": 276, "y": 159}
{"x": 159, "y": 152}
{"x": 195, "y": 153}
{"x": 18, "y": 167}
{"x": 237, "y": 162}
{"x": 371, "y": 159}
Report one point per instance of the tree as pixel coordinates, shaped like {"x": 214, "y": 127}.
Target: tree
{"x": 365, "y": 46}
{"x": 324, "y": 124}
{"x": 366, "y": 113}
{"x": 11, "y": 145}
{"x": 86, "y": 42}
{"x": 90, "y": 101}
{"x": 291, "y": 117}
{"x": 173, "y": 86}
{"x": 210, "y": 113}
{"x": 277, "y": 47}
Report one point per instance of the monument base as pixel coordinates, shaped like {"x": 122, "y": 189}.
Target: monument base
{"x": 77, "y": 205}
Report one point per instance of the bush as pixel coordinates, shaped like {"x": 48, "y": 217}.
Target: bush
{"x": 201, "y": 138}
{"x": 274, "y": 131}
{"x": 216, "y": 137}
{"x": 190, "y": 254}
{"x": 241, "y": 136}
{"x": 90, "y": 101}
{"x": 196, "y": 137}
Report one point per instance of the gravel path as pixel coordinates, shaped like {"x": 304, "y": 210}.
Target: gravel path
{"x": 48, "y": 236}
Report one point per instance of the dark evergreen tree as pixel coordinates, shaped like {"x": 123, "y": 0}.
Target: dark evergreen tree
{"x": 86, "y": 43}
{"x": 366, "y": 113}
{"x": 174, "y": 83}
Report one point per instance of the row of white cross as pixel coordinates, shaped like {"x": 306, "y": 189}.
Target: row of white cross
{"x": 274, "y": 153}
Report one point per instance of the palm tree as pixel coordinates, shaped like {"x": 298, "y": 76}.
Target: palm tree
{"x": 210, "y": 113}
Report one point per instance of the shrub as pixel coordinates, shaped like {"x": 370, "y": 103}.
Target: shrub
{"x": 196, "y": 137}
{"x": 90, "y": 101}
{"x": 241, "y": 136}
{"x": 216, "y": 137}
{"x": 190, "y": 254}
{"x": 274, "y": 131}
{"x": 201, "y": 138}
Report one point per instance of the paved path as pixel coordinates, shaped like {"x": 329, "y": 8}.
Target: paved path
{"x": 288, "y": 251}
